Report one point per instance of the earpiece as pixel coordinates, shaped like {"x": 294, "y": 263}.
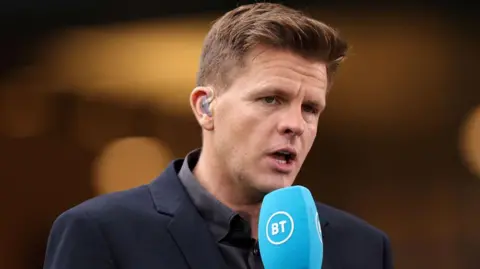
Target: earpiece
{"x": 205, "y": 105}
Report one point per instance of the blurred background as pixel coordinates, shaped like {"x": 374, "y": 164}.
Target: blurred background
{"x": 94, "y": 99}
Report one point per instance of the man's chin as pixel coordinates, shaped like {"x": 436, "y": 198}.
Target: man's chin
{"x": 256, "y": 193}
{"x": 265, "y": 184}
{"x": 267, "y": 188}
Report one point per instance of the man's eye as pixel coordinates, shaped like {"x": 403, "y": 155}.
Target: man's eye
{"x": 270, "y": 99}
{"x": 310, "y": 109}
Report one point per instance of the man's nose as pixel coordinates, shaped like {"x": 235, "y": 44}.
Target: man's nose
{"x": 292, "y": 122}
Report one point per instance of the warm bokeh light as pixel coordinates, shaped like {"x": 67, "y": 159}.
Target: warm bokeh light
{"x": 129, "y": 162}
{"x": 393, "y": 72}
{"x": 470, "y": 141}
{"x": 134, "y": 62}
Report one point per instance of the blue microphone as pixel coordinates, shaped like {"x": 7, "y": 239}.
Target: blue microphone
{"x": 289, "y": 231}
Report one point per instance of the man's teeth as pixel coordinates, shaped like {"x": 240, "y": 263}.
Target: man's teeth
{"x": 281, "y": 161}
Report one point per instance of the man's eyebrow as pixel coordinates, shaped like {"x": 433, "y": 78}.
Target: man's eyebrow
{"x": 316, "y": 104}
{"x": 279, "y": 91}
{"x": 274, "y": 89}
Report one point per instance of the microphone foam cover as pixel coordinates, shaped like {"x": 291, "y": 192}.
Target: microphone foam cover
{"x": 289, "y": 231}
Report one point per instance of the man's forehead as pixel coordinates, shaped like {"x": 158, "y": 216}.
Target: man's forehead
{"x": 264, "y": 64}
{"x": 263, "y": 58}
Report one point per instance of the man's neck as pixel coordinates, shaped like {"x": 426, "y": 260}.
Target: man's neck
{"x": 211, "y": 177}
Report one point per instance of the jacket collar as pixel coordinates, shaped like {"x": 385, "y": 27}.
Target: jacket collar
{"x": 186, "y": 226}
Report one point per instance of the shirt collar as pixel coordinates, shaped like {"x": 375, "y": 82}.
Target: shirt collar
{"x": 221, "y": 219}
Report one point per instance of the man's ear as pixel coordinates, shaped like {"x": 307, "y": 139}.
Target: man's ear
{"x": 201, "y": 100}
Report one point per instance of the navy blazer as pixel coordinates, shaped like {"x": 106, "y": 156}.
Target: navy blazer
{"x": 156, "y": 226}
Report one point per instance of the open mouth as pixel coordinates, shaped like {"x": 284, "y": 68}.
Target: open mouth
{"x": 284, "y": 156}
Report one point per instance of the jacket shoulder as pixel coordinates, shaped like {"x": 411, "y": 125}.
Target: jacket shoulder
{"x": 117, "y": 205}
{"x": 347, "y": 222}
{"x": 356, "y": 241}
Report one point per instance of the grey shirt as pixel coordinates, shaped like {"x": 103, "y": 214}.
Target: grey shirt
{"x": 231, "y": 232}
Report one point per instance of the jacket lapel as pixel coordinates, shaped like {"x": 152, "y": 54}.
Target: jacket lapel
{"x": 194, "y": 239}
{"x": 329, "y": 245}
{"x": 187, "y": 227}
{"x": 330, "y": 259}
{"x": 327, "y": 260}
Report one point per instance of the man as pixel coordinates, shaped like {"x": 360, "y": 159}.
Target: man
{"x": 264, "y": 76}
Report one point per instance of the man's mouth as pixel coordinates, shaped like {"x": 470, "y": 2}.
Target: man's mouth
{"x": 284, "y": 156}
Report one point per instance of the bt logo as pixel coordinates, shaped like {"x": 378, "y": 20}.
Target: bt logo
{"x": 280, "y": 227}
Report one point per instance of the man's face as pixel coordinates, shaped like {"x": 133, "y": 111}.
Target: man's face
{"x": 266, "y": 122}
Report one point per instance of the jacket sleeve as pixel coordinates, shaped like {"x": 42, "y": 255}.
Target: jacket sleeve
{"x": 387, "y": 253}
{"x": 76, "y": 242}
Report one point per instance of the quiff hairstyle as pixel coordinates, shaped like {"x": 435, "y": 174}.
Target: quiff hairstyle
{"x": 237, "y": 32}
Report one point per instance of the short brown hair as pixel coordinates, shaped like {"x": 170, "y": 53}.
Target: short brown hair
{"x": 237, "y": 32}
